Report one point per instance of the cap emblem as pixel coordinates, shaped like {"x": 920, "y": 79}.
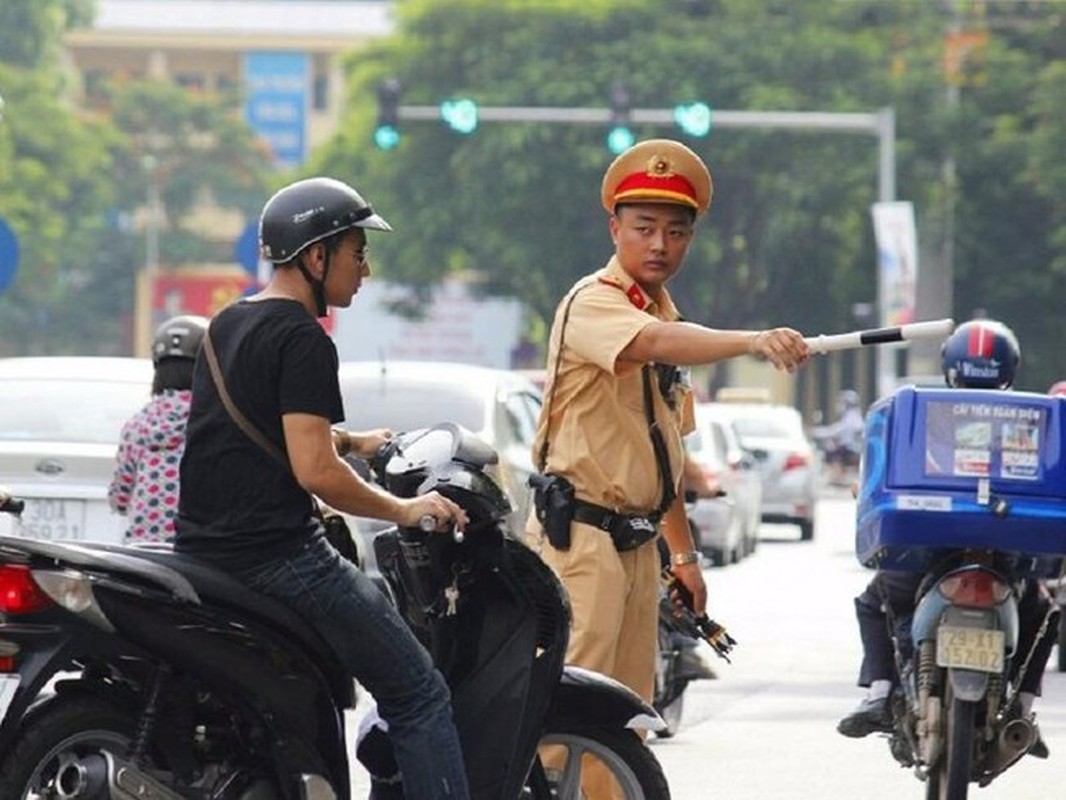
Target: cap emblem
{"x": 659, "y": 167}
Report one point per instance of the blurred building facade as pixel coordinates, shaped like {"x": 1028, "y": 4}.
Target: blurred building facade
{"x": 283, "y": 58}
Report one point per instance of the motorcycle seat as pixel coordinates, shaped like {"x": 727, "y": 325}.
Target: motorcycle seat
{"x": 216, "y": 587}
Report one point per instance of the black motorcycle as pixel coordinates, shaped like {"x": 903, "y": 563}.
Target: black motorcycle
{"x": 496, "y": 620}
{"x": 136, "y": 672}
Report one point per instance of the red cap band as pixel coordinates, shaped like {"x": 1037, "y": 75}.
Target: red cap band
{"x": 672, "y": 188}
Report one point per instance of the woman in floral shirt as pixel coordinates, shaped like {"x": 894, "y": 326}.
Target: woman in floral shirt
{"x": 144, "y": 487}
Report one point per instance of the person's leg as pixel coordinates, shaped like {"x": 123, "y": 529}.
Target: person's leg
{"x": 372, "y": 640}
{"x": 638, "y": 638}
{"x": 595, "y": 581}
{"x": 878, "y": 669}
{"x": 1033, "y": 609}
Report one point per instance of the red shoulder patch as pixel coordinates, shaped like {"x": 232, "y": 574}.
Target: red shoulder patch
{"x": 636, "y": 297}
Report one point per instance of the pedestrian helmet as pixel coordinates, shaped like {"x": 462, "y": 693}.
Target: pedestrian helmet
{"x": 309, "y": 211}
{"x": 980, "y": 354}
{"x": 179, "y": 337}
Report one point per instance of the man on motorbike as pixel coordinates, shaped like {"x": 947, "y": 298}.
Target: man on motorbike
{"x": 260, "y": 448}
{"x": 842, "y": 440}
{"x": 980, "y": 354}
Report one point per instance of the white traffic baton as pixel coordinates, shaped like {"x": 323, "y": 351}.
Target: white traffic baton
{"x": 933, "y": 329}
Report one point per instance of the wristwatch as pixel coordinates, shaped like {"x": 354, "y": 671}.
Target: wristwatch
{"x": 681, "y": 559}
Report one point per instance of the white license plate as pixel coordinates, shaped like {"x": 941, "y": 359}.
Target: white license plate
{"x": 970, "y": 648}
{"x": 8, "y": 685}
{"x": 46, "y": 518}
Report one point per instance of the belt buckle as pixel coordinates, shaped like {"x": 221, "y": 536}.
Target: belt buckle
{"x": 607, "y": 522}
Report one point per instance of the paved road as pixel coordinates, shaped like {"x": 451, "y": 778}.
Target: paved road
{"x": 766, "y": 729}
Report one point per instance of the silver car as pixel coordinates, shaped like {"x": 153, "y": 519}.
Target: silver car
{"x": 740, "y": 477}
{"x": 716, "y": 524}
{"x": 500, "y": 406}
{"x": 787, "y": 462}
{"x": 60, "y": 422}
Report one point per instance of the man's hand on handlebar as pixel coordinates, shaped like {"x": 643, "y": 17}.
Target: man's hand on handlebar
{"x": 444, "y": 511}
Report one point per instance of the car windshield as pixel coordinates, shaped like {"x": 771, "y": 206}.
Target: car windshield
{"x": 90, "y": 412}
{"x": 406, "y": 404}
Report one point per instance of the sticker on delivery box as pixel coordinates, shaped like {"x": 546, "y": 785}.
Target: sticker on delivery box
{"x": 923, "y": 502}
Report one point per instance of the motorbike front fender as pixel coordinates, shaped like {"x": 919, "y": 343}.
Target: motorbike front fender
{"x": 592, "y": 698}
{"x": 968, "y": 684}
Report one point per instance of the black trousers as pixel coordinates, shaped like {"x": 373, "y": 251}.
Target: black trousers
{"x": 898, "y": 589}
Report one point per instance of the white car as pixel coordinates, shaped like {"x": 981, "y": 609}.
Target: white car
{"x": 499, "y": 406}
{"x": 60, "y": 422}
{"x": 788, "y": 464}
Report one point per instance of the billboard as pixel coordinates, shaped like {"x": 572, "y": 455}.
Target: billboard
{"x": 897, "y": 261}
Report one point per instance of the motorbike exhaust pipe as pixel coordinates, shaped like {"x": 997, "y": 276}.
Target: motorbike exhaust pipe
{"x": 82, "y": 779}
{"x": 1018, "y": 735}
{"x": 1012, "y": 743}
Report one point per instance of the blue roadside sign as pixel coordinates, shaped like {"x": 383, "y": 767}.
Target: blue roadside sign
{"x": 247, "y": 249}
{"x": 9, "y": 255}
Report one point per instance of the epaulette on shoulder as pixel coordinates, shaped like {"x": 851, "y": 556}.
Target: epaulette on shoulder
{"x": 617, "y": 284}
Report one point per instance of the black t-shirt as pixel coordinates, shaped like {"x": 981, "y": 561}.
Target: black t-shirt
{"x": 239, "y": 506}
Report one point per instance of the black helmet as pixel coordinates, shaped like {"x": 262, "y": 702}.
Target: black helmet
{"x": 179, "y": 337}
{"x": 980, "y": 354}
{"x": 308, "y": 211}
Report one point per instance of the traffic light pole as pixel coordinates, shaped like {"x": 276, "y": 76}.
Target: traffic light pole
{"x": 881, "y": 124}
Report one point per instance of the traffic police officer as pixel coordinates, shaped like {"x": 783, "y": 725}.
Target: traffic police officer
{"x": 606, "y": 493}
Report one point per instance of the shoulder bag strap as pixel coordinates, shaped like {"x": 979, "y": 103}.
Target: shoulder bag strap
{"x": 543, "y": 456}
{"x": 658, "y": 445}
{"x": 249, "y": 429}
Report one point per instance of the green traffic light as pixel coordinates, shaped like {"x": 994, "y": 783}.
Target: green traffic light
{"x": 620, "y": 139}
{"x": 693, "y": 118}
{"x": 460, "y": 114}
{"x": 386, "y": 137}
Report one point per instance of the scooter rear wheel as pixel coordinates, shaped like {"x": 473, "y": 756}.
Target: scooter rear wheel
{"x": 61, "y": 733}
{"x": 633, "y": 766}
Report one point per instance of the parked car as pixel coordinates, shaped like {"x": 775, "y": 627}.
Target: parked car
{"x": 787, "y": 461}
{"x": 500, "y": 406}
{"x": 60, "y": 422}
{"x": 742, "y": 479}
{"x": 717, "y": 528}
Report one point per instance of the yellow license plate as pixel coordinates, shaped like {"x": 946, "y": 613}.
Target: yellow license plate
{"x": 970, "y": 648}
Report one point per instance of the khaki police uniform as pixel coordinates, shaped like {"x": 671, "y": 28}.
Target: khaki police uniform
{"x": 599, "y": 440}
{"x": 597, "y": 435}
{"x": 596, "y": 429}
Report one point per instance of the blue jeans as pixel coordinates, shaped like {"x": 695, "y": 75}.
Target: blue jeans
{"x": 347, "y": 610}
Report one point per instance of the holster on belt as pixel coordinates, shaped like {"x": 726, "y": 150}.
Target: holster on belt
{"x": 554, "y": 501}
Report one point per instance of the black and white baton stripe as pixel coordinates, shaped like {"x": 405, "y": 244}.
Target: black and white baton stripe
{"x": 933, "y": 329}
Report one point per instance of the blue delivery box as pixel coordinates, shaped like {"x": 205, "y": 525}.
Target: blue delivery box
{"x": 945, "y": 469}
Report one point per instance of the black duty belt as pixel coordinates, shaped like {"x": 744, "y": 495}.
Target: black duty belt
{"x": 628, "y": 531}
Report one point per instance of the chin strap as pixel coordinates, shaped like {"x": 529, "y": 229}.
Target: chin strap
{"x": 318, "y": 288}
